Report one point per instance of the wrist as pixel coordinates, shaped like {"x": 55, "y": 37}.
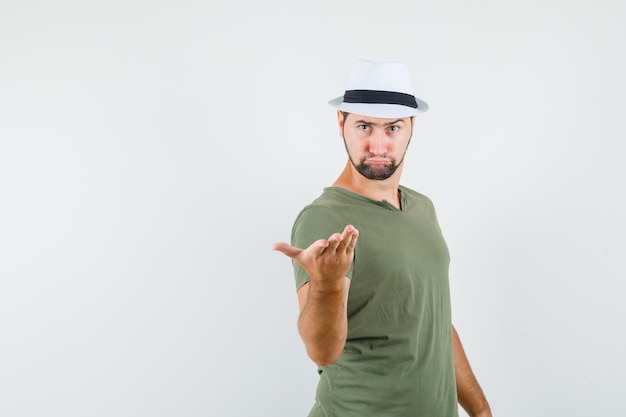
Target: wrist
{"x": 326, "y": 287}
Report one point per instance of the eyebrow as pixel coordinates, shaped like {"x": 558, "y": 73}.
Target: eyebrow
{"x": 366, "y": 122}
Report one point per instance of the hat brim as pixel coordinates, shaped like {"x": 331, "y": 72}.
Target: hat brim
{"x": 379, "y": 110}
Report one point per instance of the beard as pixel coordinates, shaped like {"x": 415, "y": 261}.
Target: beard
{"x": 375, "y": 172}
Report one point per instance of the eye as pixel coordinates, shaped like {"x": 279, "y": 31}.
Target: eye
{"x": 363, "y": 127}
{"x": 394, "y": 129}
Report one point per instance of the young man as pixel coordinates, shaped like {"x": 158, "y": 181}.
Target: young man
{"x": 371, "y": 269}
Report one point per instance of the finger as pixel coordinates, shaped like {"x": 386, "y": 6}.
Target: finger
{"x": 350, "y": 233}
{"x": 287, "y": 249}
{"x": 334, "y": 240}
{"x": 350, "y": 240}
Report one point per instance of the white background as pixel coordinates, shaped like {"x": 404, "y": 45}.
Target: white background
{"x": 152, "y": 151}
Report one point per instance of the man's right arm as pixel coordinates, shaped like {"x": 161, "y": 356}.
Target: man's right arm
{"x": 323, "y": 322}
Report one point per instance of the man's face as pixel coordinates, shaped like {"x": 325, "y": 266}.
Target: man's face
{"x": 375, "y": 146}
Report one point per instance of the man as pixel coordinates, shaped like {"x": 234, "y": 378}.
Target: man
{"x": 371, "y": 270}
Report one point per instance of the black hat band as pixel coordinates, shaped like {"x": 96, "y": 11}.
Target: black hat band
{"x": 379, "y": 97}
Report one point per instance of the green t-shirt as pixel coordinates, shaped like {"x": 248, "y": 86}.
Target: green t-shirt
{"x": 398, "y": 357}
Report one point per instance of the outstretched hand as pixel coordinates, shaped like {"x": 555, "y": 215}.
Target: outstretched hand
{"x": 327, "y": 261}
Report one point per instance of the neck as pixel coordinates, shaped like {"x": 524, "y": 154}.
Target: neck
{"x": 351, "y": 180}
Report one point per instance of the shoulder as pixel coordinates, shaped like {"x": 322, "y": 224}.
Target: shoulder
{"x": 416, "y": 196}
{"x": 328, "y": 204}
{"x": 319, "y": 219}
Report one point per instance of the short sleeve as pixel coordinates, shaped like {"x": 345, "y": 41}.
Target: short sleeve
{"x": 313, "y": 223}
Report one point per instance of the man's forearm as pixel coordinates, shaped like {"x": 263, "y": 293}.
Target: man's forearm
{"x": 471, "y": 396}
{"x": 323, "y": 323}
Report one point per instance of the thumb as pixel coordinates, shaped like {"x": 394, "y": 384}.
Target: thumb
{"x": 286, "y": 249}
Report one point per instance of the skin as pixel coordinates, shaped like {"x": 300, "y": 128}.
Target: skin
{"x": 376, "y": 149}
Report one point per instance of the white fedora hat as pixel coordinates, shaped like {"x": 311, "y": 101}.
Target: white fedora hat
{"x": 380, "y": 89}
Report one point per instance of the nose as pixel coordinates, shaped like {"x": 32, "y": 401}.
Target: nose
{"x": 378, "y": 144}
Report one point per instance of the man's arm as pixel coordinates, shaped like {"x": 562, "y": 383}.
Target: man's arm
{"x": 471, "y": 396}
{"x": 323, "y": 321}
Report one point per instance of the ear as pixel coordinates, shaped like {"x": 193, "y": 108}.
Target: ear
{"x": 340, "y": 122}
{"x": 340, "y": 118}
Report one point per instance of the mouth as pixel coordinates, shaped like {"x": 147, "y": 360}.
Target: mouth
{"x": 377, "y": 161}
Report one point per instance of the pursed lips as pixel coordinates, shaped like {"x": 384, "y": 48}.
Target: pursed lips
{"x": 378, "y": 161}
